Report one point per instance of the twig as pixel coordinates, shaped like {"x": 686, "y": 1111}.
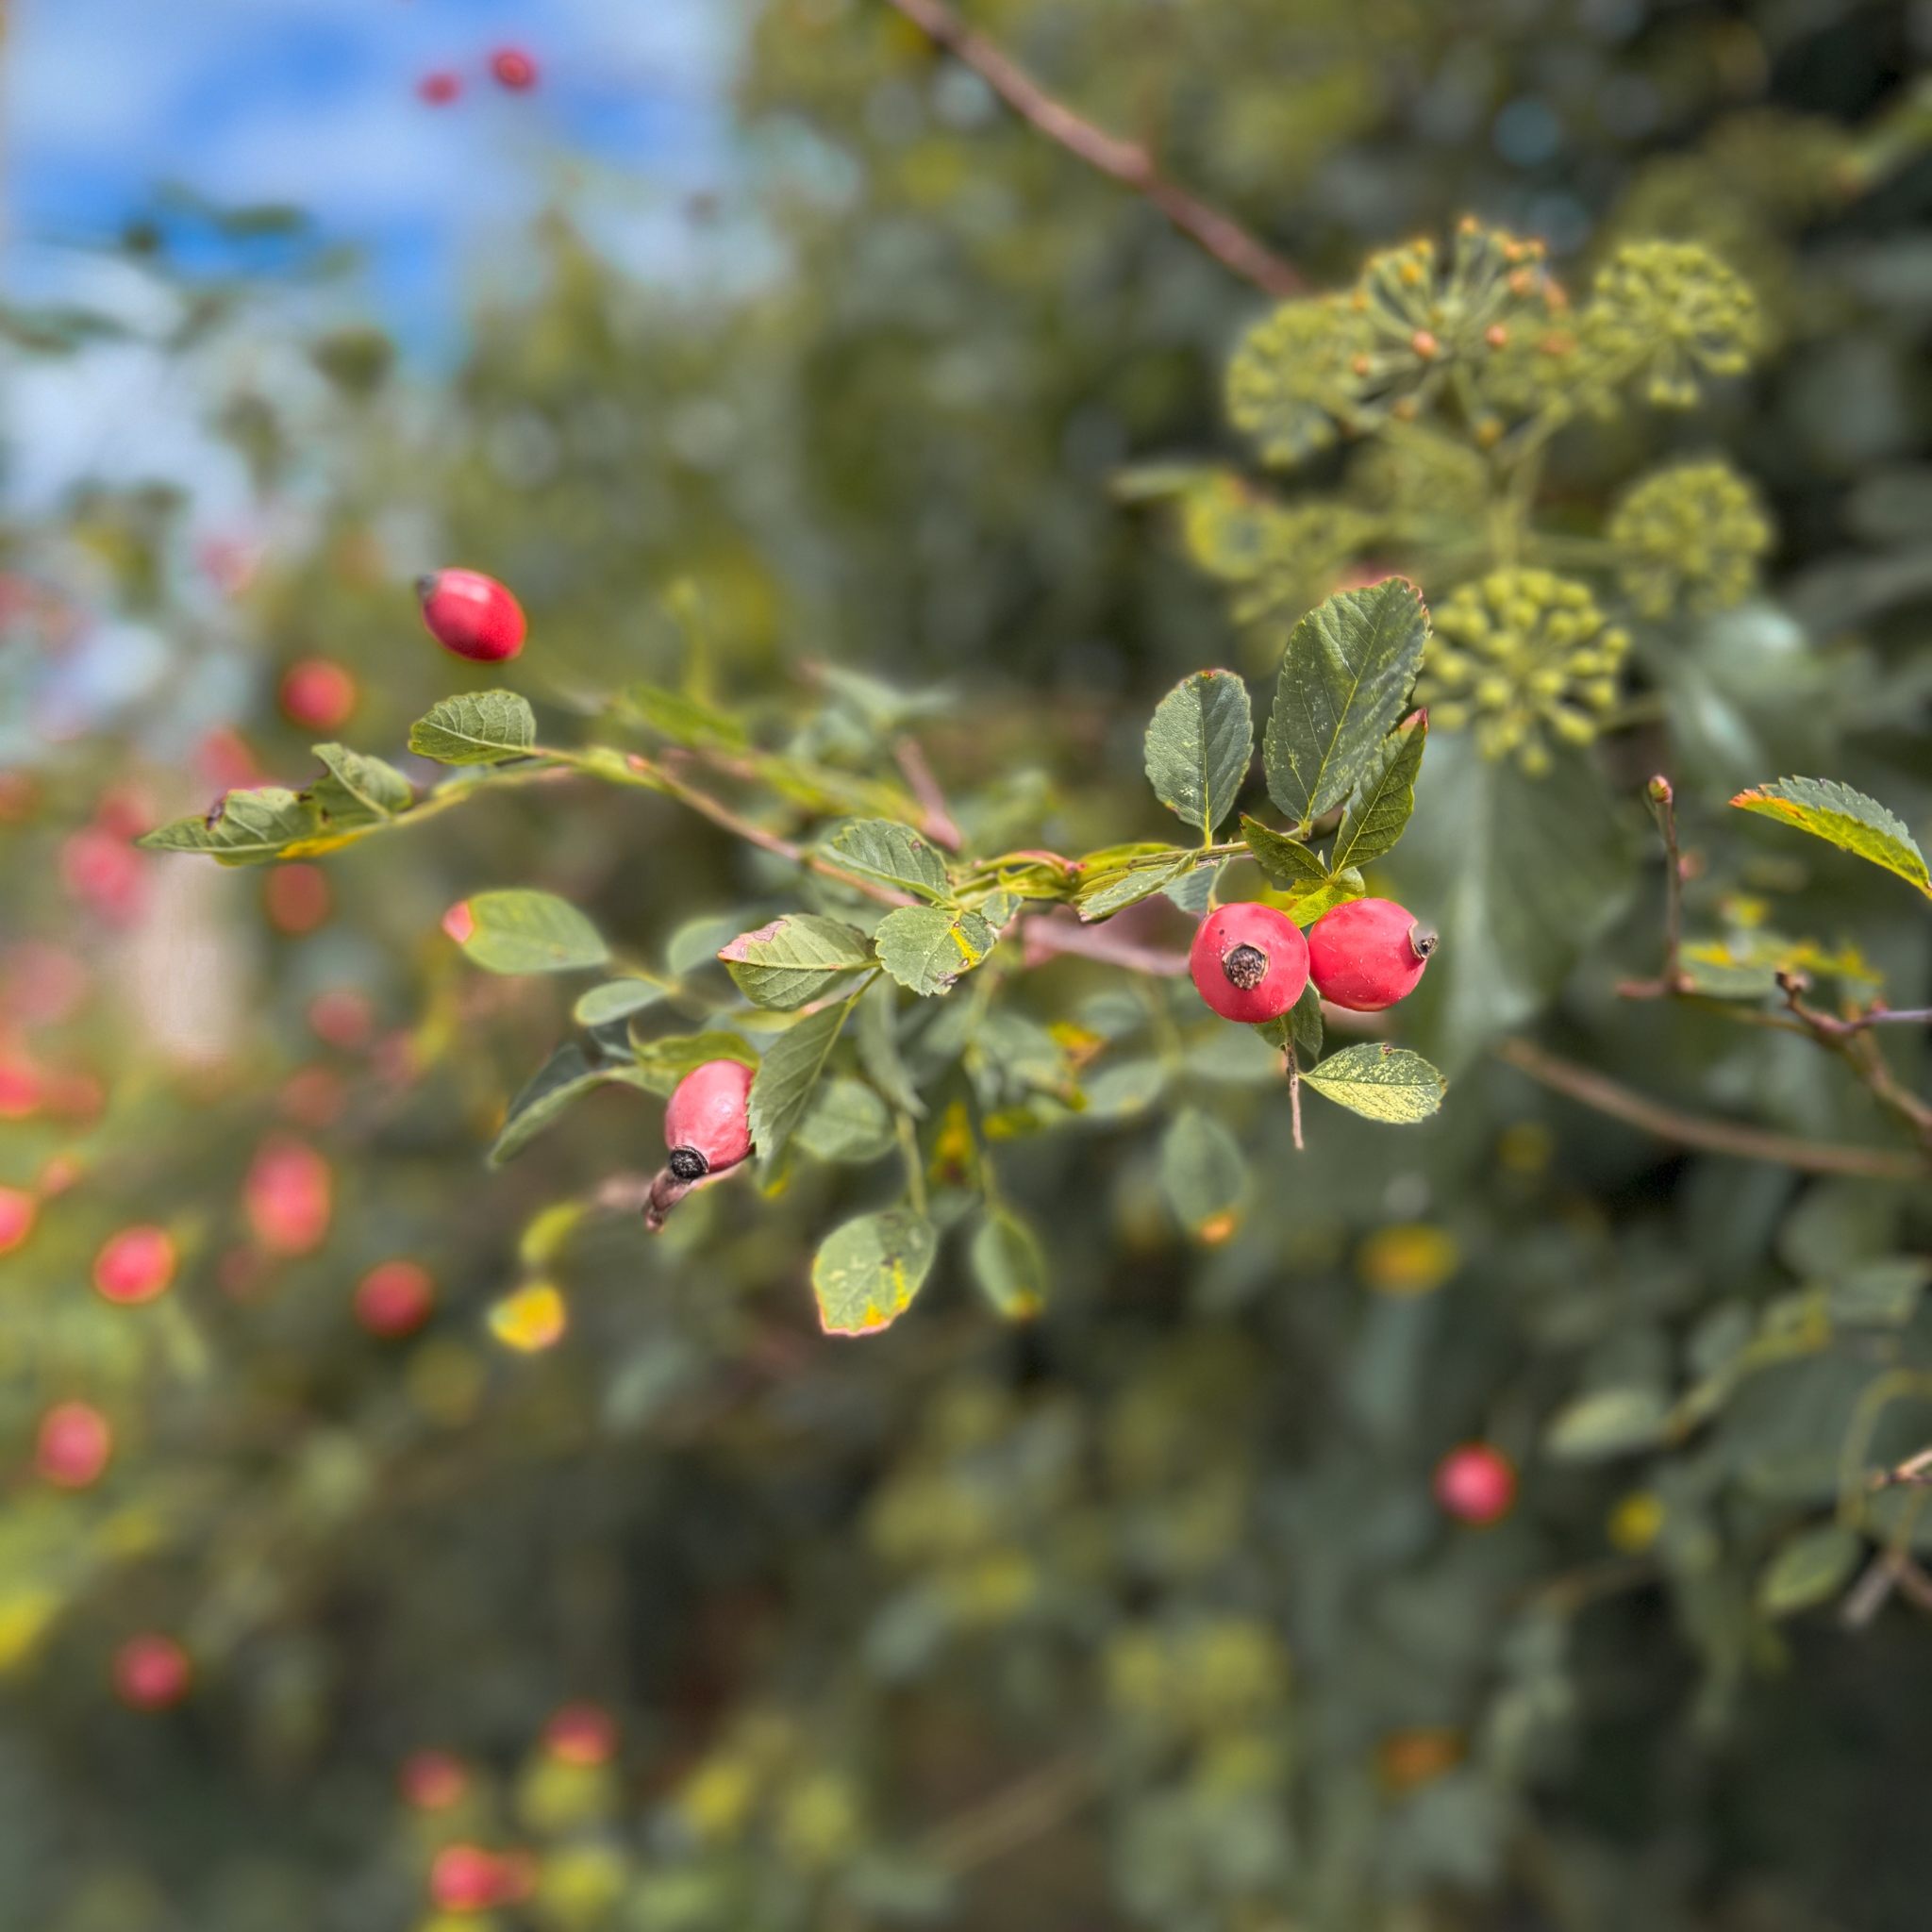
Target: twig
{"x": 1861, "y": 1053}
{"x": 1043, "y": 936}
{"x": 938, "y": 823}
{"x": 1294, "y": 1093}
{"x": 1029, "y": 1809}
{"x": 1127, "y": 161}
{"x": 1689, "y": 1130}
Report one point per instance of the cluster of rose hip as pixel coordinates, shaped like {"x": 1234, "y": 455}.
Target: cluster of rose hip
{"x": 1252, "y": 963}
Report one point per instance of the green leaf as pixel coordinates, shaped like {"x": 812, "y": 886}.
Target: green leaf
{"x": 1305, "y": 907}
{"x": 1201, "y": 1170}
{"x": 1124, "y": 1089}
{"x": 1009, "y": 1265}
{"x": 521, "y": 931}
{"x": 481, "y": 727}
{"x": 1608, "y": 1422}
{"x": 1287, "y": 861}
{"x": 846, "y": 1121}
{"x": 879, "y": 1047}
{"x": 1105, "y": 889}
{"x": 1305, "y": 1023}
{"x": 1379, "y": 1082}
{"x": 683, "y": 719}
{"x": 250, "y": 828}
{"x": 1846, "y": 818}
{"x": 928, "y": 947}
{"x": 617, "y": 999}
{"x": 868, "y": 1271}
{"x": 1383, "y": 799}
{"x": 567, "y": 1075}
{"x": 1344, "y": 684}
{"x": 662, "y": 1063}
{"x": 358, "y": 788}
{"x": 794, "y": 958}
{"x": 1814, "y": 1565}
{"x": 1879, "y": 1294}
{"x": 1198, "y": 747}
{"x": 783, "y": 1089}
{"x": 1193, "y": 890}
{"x": 891, "y": 855}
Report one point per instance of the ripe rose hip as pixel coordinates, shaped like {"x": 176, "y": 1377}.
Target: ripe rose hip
{"x": 317, "y": 694}
{"x": 152, "y": 1672}
{"x": 513, "y": 69}
{"x": 288, "y": 1197}
{"x": 136, "y": 1265}
{"x": 708, "y": 1130}
{"x": 73, "y": 1444}
{"x": 1366, "y": 955}
{"x": 467, "y": 1878}
{"x": 472, "y": 615}
{"x": 1249, "y": 962}
{"x": 1475, "y": 1484}
{"x": 395, "y": 1299}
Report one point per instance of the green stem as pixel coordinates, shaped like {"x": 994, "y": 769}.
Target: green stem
{"x": 915, "y": 1171}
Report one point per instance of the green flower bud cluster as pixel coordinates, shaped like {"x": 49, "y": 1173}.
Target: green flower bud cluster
{"x": 1518, "y": 655}
{"x": 1689, "y": 538}
{"x": 1667, "y": 312}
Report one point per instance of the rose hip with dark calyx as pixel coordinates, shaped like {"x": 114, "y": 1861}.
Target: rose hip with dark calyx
{"x": 708, "y": 1130}
{"x": 472, "y": 615}
{"x": 1366, "y": 955}
{"x": 1249, "y": 962}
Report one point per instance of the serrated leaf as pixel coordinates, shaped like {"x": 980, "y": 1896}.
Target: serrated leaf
{"x": 1379, "y": 1082}
{"x": 1844, "y": 818}
{"x": 889, "y": 854}
{"x": 1813, "y": 1566}
{"x": 867, "y": 1272}
{"x": 1344, "y": 684}
{"x": 1009, "y": 1265}
{"x": 251, "y": 828}
{"x": 783, "y": 1088}
{"x": 1201, "y": 1170}
{"x": 523, "y": 931}
{"x": 878, "y": 1035}
{"x": 1287, "y": 861}
{"x": 926, "y": 947}
{"x": 1198, "y": 746}
{"x": 660, "y": 1064}
{"x": 1106, "y": 890}
{"x": 1608, "y": 1422}
{"x": 1193, "y": 890}
{"x": 566, "y": 1076}
{"x": 1305, "y": 1023}
{"x": 358, "y": 788}
{"x": 1383, "y": 800}
{"x": 617, "y": 999}
{"x": 795, "y": 960}
{"x": 846, "y": 1121}
{"x": 482, "y": 728}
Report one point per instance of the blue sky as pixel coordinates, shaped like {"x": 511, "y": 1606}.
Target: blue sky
{"x": 314, "y": 102}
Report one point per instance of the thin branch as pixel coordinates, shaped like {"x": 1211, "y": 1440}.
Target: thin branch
{"x": 1126, "y": 161}
{"x": 1294, "y": 1094}
{"x": 1689, "y": 1130}
{"x": 1029, "y": 1809}
{"x": 938, "y": 823}
{"x": 1043, "y": 936}
{"x": 1861, "y": 1053}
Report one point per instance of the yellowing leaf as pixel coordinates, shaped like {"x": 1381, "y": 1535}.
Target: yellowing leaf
{"x": 869, "y": 1270}
{"x": 531, "y": 1320}
{"x": 1842, "y": 817}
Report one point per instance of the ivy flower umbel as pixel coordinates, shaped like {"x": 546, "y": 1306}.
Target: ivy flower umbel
{"x": 1668, "y": 311}
{"x": 1688, "y": 536}
{"x": 1519, "y": 654}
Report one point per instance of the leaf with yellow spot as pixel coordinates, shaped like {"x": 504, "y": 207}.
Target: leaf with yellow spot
{"x": 531, "y": 1320}
{"x": 868, "y": 1271}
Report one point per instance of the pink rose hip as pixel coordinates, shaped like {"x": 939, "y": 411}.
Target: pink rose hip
{"x": 708, "y": 1130}
{"x": 1475, "y": 1484}
{"x": 1249, "y": 962}
{"x": 472, "y": 615}
{"x": 1366, "y": 955}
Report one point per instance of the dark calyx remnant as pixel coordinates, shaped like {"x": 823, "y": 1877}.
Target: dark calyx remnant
{"x": 1419, "y": 942}
{"x": 1246, "y": 967}
{"x": 688, "y": 1164}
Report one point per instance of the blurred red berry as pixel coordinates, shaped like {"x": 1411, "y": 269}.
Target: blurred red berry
{"x": 125, "y": 811}
{"x": 17, "y": 1211}
{"x": 74, "y": 1445}
{"x": 470, "y": 614}
{"x": 1475, "y": 1484}
{"x": 136, "y": 1265}
{"x": 104, "y": 873}
{"x": 317, "y": 694}
{"x": 288, "y": 1197}
{"x": 459, "y": 923}
{"x": 297, "y": 897}
{"x": 433, "y": 1781}
{"x": 582, "y": 1734}
{"x": 20, "y": 1090}
{"x": 439, "y": 90}
{"x": 343, "y": 1018}
{"x": 467, "y": 1878}
{"x": 152, "y": 1672}
{"x": 224, "y": 761}
{"x": 395, "y": 1299}
{"x": 513, "y": 69}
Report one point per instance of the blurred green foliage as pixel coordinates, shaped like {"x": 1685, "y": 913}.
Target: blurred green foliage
{"x": 1140, "y": 1611}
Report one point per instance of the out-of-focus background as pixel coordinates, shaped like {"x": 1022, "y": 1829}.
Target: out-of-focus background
{"x": 569, "y": 1579}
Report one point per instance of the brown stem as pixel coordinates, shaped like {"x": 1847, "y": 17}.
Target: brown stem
{"x": 1861, "y": 1053}
{"x": 1043, "y": 936}
{"x": 938, "y": 823}
{"x": 1029, "y": 1809}
{"x": 1689, "y": 1131}
{"x": 1125, "y": 161}
{"x": 1295, "y": 1096}
{"x": 1663, "y": 808}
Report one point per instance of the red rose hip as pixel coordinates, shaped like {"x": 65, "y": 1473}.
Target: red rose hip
{"x": 1249, "y": 962}
{"x": 513, "y": 69}
{"x": 73, "y": 1446}
{"x": 152, "y": 1672}
{"x": 135, "y": 1265}
{"x": 708, "y": 1130}
{"x": 1475, "y": 1484}
{"x": 1367, "y": 954}
{"x": 472, "y": 615}
{"x": 317, "y": 694}
{"x": 395, "y": 1299}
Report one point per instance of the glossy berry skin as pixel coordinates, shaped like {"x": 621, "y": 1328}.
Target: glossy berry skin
{"x": 152, "y": 1672}
{"x": 1249, "y": 962}
{"x": 1366, "y": 955}
{"x": 472, "y": 615}
{"x": 395, "y": 1299}
{"x": 73, "y": 1446}
{"x": 136, "y": 1265}
{"x": 707, "y": 1126}
{"x": 1475, "y": 1484}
